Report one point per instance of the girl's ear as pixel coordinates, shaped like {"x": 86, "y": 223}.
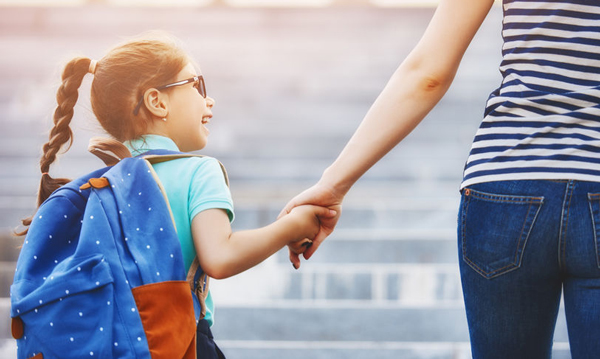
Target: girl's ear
{"x": 156, "y": 102}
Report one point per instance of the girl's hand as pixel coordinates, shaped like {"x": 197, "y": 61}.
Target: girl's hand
{"x": 307, "y": 221}
{"x": 318, "y": 195}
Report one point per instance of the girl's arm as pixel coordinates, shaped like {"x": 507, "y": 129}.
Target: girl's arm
{"x": 224, "y": 253}
{"x": 413, "y": 90}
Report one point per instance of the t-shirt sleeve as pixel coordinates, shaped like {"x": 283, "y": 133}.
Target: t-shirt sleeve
{"x": 209, "y": 190}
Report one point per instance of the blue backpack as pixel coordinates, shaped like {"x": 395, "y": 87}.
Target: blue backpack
{"x": 101, "y": 273}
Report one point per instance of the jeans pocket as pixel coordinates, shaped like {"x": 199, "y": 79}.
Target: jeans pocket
{"x": 594, "y": 201}
{"x": 494, "y": 229}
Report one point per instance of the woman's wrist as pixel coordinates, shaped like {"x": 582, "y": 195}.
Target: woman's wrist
{"x": 334, "y": 183}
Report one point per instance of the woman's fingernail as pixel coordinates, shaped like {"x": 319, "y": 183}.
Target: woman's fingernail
{"x": 294, "y": 265}
{"x": 306, "y": 244}
{"x": 332, "y": 212}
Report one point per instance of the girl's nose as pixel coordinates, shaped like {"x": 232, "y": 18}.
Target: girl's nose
{"x": 210, "y": 102}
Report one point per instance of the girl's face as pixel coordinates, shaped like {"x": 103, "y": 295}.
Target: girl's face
{"x": 188, "y": 113}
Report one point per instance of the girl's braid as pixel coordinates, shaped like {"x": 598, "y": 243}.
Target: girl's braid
{"x": 61, "y": 133}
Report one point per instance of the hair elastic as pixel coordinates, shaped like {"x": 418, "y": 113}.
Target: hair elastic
{"x": 92, "y": 69}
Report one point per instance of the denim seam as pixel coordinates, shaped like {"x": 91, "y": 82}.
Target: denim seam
{"x": 463, "y": 220}
{"x": 537, "y": 212}
{"x": 521, "y": 237}
{"x": 505, "y": 199}
{"x": 564, "y": 224}
{"x": 591, "y": 198}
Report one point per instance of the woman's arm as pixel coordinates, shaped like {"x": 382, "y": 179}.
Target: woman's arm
{"x": 223, "y": 253}
{"x": 413, "y": 90}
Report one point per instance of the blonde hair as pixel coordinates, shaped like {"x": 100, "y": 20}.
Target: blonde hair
{"x": 120, "y": 79}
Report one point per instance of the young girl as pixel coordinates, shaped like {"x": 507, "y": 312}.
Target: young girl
{"x": 147, "y": 94}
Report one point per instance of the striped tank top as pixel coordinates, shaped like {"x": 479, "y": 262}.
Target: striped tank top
{"x": 543, "y": 122}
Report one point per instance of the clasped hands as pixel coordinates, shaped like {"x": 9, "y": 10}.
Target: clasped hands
{"x": 320, "y": 207}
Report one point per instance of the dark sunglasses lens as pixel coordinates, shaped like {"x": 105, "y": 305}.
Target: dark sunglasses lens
{"x": 201, "y": 88}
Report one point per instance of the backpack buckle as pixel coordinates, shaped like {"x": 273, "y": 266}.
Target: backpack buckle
{"x": 17, "y": 328}
{"x": 96, "y": 183}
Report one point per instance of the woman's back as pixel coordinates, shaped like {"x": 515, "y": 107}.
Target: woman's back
{"x": 541, "y": 123}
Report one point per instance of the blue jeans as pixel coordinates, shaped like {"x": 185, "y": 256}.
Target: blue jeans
{"x": 522, "y": 243}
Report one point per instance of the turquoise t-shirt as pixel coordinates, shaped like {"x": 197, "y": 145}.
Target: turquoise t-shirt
{"x": 192, "y": 185}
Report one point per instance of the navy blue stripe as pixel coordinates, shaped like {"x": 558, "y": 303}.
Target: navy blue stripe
{"x": 553, "y": 51}
{"x": 552, "y": 12}
{"x": 566, "y": 2}
{"x": 492, "y": 111}
{"x": 536, "y": 124}
{"x": 509, "y": 104}
{"x": 559, "y": 104}
{"x": 521, "y": 136}
{"x": 524, "y": 146}
{"x": 533, "y": 170}
{"x": 545, "y": 90}
{"x": 553, "y": 39}
{"x": 559, "y": 65}
{"x": 533, "y": 109}
{"x": 541, "y": 89}
{"x": 504, "y": 159}
{"x": 578, "y": 115}
{"x": 524, "y": 94}
{"x": 550, "y": 25}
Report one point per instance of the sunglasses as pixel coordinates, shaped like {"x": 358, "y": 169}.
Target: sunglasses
{"x": 198, "y": 84}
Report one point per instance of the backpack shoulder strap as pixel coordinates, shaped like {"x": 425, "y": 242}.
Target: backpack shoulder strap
{"x": 198, "y": 281}
{"x": 159, "y": 156}
{"x": 196, "y": 277}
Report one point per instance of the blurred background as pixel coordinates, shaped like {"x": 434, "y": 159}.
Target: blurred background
{"x": 292, "y": 80}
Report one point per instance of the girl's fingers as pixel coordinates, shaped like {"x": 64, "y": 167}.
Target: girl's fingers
{"x": 295, "y": 259}
{"x": 300, "y": 247}
{"x": 315, "y": 244}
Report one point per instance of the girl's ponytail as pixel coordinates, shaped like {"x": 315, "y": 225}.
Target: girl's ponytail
{"x": 61, "y": 133}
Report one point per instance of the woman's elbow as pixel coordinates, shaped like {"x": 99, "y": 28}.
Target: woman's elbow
{"x": 432, "y": 83}
{"x": 427, "y": 77}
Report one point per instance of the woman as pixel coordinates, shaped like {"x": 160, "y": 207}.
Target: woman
{"x": 531, "y": 188}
